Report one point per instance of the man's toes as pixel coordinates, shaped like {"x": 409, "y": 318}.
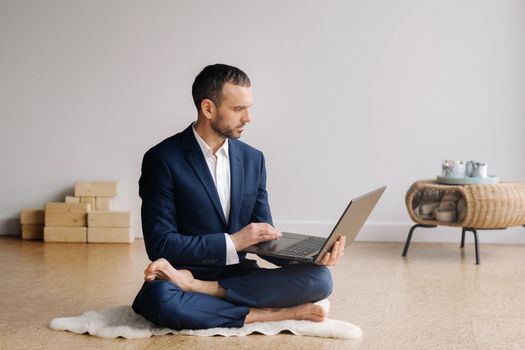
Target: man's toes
{"x": 159, "y": 264}
{"x": 319, "y": 311}
{"x": 150, "y": 268}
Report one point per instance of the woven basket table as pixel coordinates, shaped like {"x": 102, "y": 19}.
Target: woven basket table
{"x": 486, "y": 207}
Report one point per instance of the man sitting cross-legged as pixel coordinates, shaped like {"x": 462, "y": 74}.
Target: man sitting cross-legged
{"x": 204, "y": 201}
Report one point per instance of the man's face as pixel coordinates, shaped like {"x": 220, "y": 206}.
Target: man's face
{"x": 232, "y": 113}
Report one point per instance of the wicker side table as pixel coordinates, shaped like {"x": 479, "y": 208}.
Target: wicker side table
{"x": 486, "y": 207}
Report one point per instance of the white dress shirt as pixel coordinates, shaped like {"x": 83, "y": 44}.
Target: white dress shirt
{"x": 219, "y": 165}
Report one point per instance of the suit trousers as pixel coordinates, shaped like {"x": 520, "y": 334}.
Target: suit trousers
{"x": 165, "y": 304}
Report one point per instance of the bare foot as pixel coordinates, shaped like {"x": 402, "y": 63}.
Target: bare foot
{"x": 162, "y": 269}
{"x": 308, "y": 311}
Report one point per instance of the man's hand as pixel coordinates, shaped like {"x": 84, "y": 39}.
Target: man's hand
{"x": 332, "y": 257}
{"x": 254, "y": 233}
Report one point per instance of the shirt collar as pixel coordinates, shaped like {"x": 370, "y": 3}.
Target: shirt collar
{"x": 206, "y": 150}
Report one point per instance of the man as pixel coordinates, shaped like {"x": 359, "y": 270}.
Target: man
{"x": 204, "y": 200}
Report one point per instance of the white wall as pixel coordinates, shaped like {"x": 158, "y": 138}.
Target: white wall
{"x": 349, "y": 95}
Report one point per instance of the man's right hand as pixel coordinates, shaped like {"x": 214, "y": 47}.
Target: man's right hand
{"x": 254, "y": 233}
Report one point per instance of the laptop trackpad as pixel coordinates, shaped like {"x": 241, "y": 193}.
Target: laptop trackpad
{"x": 275, "y": 245}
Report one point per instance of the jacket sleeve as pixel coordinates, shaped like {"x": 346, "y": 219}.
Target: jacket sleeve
{"x": 262, "y": 213}
{"x": 159, "y": 221}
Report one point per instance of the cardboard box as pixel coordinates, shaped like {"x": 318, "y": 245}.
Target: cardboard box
{"x": 32, "y": 216}
{"x": 96, "y": 189}
{"x": 72, "y": 199}
{"x": 109, "y": 235}
{"x": 66, "y": 214}
{"x": 32, "y": 231}
{"x": 89, "y": 200}
{"x": 65, "y": 234}
{"x": 103, "y": 203}
{"x": 109, "y": 219}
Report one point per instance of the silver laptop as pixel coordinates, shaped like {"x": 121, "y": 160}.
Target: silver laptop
{"x": 295, "y": 246}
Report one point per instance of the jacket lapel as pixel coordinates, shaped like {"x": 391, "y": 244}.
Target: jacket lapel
{"x": 196, "y": 159}
{"x": 237, "y": 181}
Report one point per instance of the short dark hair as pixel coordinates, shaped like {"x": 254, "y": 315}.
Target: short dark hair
{"x": 209, "y": 82}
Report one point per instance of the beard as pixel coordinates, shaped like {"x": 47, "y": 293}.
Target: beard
{"x": 222, "y": 129}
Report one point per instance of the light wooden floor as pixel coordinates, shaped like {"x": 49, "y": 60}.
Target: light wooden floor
{"x": 435, "y": 299}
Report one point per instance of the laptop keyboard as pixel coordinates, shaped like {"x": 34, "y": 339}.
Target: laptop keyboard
{"x": 305, "y": 247}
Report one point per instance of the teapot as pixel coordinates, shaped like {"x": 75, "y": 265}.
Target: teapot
{"x": 476, "y": 169}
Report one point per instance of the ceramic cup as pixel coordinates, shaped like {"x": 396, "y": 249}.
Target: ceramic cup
{"x": 454, "y": 168}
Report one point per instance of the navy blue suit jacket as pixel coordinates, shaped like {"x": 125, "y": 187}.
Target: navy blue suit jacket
{"x": 182, "y": 217}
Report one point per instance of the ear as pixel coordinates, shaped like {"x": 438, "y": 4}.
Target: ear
{"x": 208, "y": 108}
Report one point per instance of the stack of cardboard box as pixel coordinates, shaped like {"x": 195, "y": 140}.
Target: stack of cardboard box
{"x": 66, "y": 222}
{"x": 32, "y": 221}
{"x": 84, "y": 217}
{"x": 109, "y": 226}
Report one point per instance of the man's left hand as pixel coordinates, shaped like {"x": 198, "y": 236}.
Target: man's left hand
{"x": 332, "y": 257}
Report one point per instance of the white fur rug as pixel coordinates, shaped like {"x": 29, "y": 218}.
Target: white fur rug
{"x": 122, "y": 321}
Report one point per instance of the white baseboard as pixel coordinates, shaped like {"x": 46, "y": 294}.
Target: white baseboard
{"x": 398, "y": 232}
{"x": 371, "y": 232}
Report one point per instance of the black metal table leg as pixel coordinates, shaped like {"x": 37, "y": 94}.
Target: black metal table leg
{"x": 462, "y": 238}
{"x": 476, "y": 244}
{"x": 407, "y": 243}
